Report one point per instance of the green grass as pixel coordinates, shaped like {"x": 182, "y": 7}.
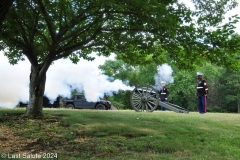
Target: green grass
{"x": 129, "y": 135}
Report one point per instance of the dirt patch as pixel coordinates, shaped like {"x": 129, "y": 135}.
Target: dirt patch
{"x": 19, "y": 135}
{"x": 11, "y": 143}
{"x": 23, "y": 136}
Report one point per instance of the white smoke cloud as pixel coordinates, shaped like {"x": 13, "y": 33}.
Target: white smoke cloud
{"x": 14, "y": 81}
{"x": 164, "y": 75}
{"x": 85, "y": 76}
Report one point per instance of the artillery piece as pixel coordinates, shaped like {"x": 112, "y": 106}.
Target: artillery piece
{"x": 147, "y": 98}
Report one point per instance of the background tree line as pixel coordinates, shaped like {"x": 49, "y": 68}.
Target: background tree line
{"x": 224, "y": 84}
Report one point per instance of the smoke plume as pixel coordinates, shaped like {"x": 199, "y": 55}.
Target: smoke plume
{"x": 164, "y": 74}
{"x": 84, "y": 77}
{"x": 14, "y": 81}
{"x": 62, "y": 77}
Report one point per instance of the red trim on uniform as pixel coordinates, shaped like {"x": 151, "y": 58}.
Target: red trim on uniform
{"x": 205, "y": 104}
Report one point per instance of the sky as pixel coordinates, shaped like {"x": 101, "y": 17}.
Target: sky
{"x": 85, "y": 76}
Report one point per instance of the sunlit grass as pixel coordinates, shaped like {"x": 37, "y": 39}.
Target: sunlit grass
{"x": 127, "y": 134}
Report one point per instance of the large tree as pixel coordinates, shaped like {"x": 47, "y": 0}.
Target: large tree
{"x": 44, "y": 31}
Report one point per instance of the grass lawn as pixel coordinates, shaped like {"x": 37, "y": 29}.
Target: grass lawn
{"x": 122, "y": 135}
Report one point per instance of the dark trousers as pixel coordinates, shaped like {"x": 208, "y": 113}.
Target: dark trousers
{"x": 163, "y": 108}
{"x": 202, "y": 104}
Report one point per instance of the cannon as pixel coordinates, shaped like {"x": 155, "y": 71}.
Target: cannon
{"x": 146, "y": 98}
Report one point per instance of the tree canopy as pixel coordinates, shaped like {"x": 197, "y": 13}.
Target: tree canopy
{"x": 138, "y": 31}
{"x": 4, "y": 7}
{"x": 60, "y": 29}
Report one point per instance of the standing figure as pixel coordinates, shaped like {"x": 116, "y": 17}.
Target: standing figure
{"x": 164, "y": 91}
{"x": 202, "y": 91}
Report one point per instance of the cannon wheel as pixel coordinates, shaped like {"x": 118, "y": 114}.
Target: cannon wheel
{"x": 144, "y": 98}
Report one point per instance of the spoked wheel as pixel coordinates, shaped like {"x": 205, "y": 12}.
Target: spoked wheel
{"x": 144, "y": 98}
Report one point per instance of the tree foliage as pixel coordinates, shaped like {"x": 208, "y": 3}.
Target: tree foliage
{"x": 60, "y": 29}
{"x": 118, "y": 69}
{"x": 229, "y": 90}
{"x": 183, "y": 90}
{"x": 4, "y": 7}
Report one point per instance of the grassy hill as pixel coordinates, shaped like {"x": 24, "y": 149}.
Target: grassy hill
{"x": 120, "y": 135}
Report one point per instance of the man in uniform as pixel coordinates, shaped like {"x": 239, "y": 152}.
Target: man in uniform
{"x": 163, "y": 94}
{"x": 202, "y": 91}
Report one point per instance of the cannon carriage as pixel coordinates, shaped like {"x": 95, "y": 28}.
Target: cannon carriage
{"x": 146, "y": 98}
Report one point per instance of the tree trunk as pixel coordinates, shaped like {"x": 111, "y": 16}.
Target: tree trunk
{"x": 36, "y": 92}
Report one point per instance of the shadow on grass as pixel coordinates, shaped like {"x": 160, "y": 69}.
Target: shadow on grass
{"x": 85, "y": 134}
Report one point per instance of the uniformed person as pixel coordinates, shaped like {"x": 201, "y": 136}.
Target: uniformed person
{"x": 164, "y": 91}
{"x": 202, "y": 91}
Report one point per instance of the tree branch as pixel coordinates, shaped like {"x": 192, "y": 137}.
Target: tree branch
{"x": 45, "y": 65}
{"x": 22, "y": 31}
{"x": 68, "y": 50}
{"x": 33, "y": 28}
{"x": 127, "y": 29}
{"x": 5, "y": 5}
{"x": 73, "y": 22}
{"x": 45, "y": 38}
{"x": 49, "y": 22}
